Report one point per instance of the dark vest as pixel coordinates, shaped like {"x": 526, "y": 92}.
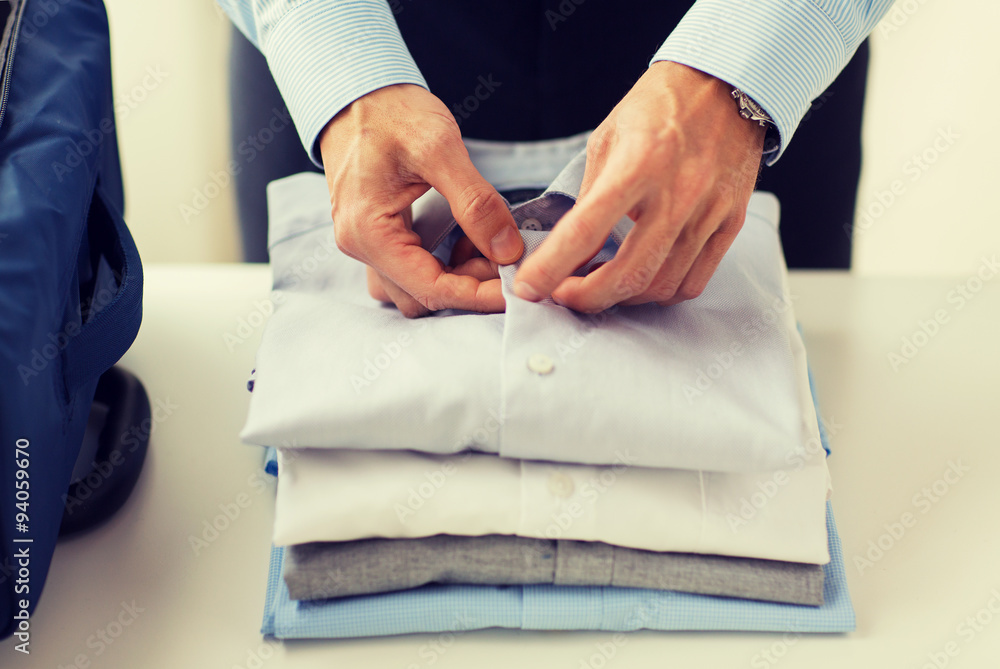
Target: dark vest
{"x": 536, "y": 69}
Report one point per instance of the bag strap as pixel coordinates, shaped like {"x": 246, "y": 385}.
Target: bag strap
{"x": 105, "y": 338}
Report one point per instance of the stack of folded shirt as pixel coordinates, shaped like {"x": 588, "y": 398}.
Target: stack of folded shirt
{"x": 646, "y": 467}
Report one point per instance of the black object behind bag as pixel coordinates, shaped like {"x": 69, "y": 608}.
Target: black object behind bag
{"x": 70, "y": 275}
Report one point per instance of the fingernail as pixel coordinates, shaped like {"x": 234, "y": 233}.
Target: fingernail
{"x": 506, "y": 245}
{"x": 558, "y": 301}
{"x": 526, "y": 292}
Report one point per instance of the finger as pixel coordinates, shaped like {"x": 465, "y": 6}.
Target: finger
{"x": 463, "y": 250}
{"x": 407, "y": 306}
{"x": 478, "y": 208}
{"x": 581, "y": 232}
{"x": 422, "y": 276}
{"x": 375, "y": 288}
{"x": 396, "y": 252}
{"x": 634, "y": 267}
{"x": 599, "y": 145}
{"x": 705, "y": 264}
{"x": 673, "y": 283}
{"x": 480, "y": 268}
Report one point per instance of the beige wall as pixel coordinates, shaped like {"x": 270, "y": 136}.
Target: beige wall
{"x": 173, "y": 127}
{"x": 935, "y": 68}
{"x": 938, "y": 72}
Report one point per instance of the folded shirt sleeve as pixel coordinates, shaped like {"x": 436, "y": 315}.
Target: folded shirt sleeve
{"x": 782, "y": 54}
{"x": 324, "y": 54}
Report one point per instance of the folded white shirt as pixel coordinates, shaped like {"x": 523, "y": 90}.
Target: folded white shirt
{"x": 342, "y": 495}
{"x": 711, "y": 384}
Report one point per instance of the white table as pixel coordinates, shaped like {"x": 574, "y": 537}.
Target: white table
{"x": 895, "y": 434}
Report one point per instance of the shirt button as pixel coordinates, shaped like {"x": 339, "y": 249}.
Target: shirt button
{"x": 561, "y": 485}
{"x": 531, "y": 224}
{"x": 541, "y": 364}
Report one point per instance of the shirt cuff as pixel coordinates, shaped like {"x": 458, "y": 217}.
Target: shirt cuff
{"x": 325, "y": 55}
{"x": 781, "y": 54}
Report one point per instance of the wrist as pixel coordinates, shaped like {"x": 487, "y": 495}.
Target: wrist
{"x": 728, "y": 107}
{"x": 361, "y": 109}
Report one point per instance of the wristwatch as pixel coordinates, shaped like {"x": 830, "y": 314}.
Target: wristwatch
{"x": 752, "y": 111}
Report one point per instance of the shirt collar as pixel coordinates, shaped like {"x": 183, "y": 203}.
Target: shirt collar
{"x": 433, "y": 220}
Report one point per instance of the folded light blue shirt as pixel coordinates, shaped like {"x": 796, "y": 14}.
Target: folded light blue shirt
{"x": 271, "y": 453}
{"x": 718, "y": 383}
{"x": 324, "y": 54}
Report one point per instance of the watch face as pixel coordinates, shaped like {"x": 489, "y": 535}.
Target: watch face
{"x": 756, "y": 108}
{"x": 758, "y": 112}
{"x": 749, "y": 109}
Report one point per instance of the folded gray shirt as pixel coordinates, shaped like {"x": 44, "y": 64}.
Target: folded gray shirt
{"x": 324, "y": 570}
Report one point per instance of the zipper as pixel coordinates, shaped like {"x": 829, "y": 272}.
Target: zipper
{"x": 5, "y": 77}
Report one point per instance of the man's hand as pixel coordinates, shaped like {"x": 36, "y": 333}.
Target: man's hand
{"x": 675, "y": 157}
{"x": 381, "y": 153}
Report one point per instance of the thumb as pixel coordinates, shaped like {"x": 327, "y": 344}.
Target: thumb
{"x": 480, "y": 211}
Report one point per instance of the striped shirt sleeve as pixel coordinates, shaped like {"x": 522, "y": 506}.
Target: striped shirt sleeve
{"x": 324, "y": 54}
{"x": 782, "y": 53}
